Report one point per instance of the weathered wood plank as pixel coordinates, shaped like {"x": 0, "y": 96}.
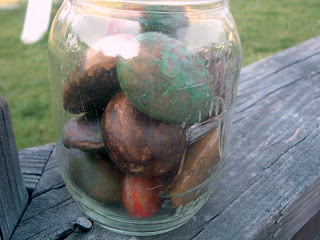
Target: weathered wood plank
{"x": 32, "y": 162}
{"x": 279, "y": 165}
{"x": 271, "y": 181}
{"x": 311, "y": 230}
{"x": 51, "y": 178}
{"x": 14, "y": 196}
{"x": 51, "y": 205}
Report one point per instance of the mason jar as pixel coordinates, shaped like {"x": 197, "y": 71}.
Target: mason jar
{"x": 143, "y": 94}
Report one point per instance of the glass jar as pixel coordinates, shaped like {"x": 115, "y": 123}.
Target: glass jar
{"x": 143, "y": 93}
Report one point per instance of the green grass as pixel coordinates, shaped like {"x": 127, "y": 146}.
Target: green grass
{"x": 269, "y": 26}
{"x": 24, "y": 82}
{"x": 266, "y": 27}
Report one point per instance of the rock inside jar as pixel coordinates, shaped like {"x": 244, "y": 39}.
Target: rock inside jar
{"x": 138, "y": 144}
{"x": 165, "y": 81}
{"x": 96, "y": 176}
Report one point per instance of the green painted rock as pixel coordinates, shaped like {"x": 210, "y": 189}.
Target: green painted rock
{"x": 97, "y": 177}
{"x": 154, "y": 20}
{"x": 160, "y": 18}
{"x": 165, "y": 81}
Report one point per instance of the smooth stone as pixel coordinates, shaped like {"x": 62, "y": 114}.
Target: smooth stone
{"x": 138, "y": 144}
{"x": 84, "y": 132}
{"x": 97, "y": 176}
{"x": 201, "y": 162}
{"x": 154, "y": 20}
{"x": 93, "y": 80}
{"x": 140, "y": 195}
{"x": 159, "y": 18}
{"x": 165, "y": 81}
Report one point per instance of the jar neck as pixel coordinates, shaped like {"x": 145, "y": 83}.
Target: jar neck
{"x": 192, "y": 5}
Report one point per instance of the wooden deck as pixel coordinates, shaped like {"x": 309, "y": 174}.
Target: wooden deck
{"x": 271, "y": 183}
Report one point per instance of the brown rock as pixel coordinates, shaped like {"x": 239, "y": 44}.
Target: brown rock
{"x": 200, "y": 163}
{"x": 83, "y": 133}
{"x": 96, "y": 176}
{"x": 138, "y": 144}
{"x": 91, "y": 83}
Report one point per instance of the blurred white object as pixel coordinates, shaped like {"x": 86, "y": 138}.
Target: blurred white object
{"x": 36, "y": 21}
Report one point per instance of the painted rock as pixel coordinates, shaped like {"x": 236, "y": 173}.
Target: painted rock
{"x": 140, "y": 196}
{"x": 93, "y": 81}
{"x": 138, "y": 144}
{"x": 153, "y": 19}
{"x": 83, "y": 132}
{"x": 97, "y": 176}
{"x": 199, "y": 165}
{"x": 165, "y": 82}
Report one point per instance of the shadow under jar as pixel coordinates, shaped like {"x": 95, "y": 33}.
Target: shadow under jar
{"x": 143, "y": 94}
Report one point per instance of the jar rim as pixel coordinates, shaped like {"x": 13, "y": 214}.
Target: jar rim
{"x": 163, "y": 6}
{"x": 159, "y": 2}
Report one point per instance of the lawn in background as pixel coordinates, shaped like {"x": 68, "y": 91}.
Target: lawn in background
{"x": 24, "y": 82}
{"x": 269, "y": 26}
{"x": 265, "y": 27}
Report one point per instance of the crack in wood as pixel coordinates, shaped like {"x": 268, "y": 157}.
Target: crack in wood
{"x": 284, "y": 154}
{"x": 267, "y": 179}
{"x": 64, "y": 234}
{"x": 57, "y": 186}
{"x": 308, "y": 202}
{"x": 245, "y": 79}
{"x": 54, "y": 206}
{"x": 303, "y": 77}
{"x": 197, "y": 234}
{"x": 48, "y": 169}
{"x": 30, "y": 237}
{"x": 241, "y": 93}
{"x": 275, "y": 108}
{"x": 26, "y": 174}
{"x": 268, "y": 94}
{"x": 33, "y": 162}
{"x": 291, "y": 64}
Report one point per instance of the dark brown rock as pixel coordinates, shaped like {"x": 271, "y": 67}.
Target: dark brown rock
{"x": 97, "y": 177}
{"x": 84, "y": 132}
{"x": 91, "y": 83}
{"x": 138, "y": 144}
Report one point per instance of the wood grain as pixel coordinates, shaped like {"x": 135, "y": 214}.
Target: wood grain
{"x": 51, "y": 212}
{"x": 13, "y": 194}
{"x": 32, "y": 163}
{"x": 311, "y": 230}
{"x": 271, "y": 183}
